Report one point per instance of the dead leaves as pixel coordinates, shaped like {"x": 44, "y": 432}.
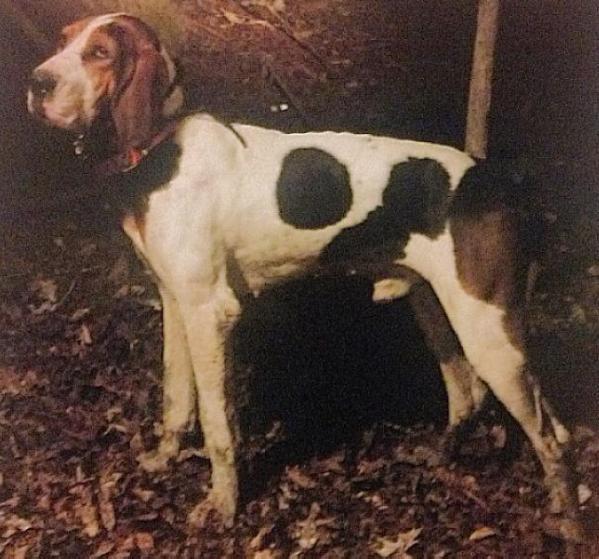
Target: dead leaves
{"x": 300, "y": 479}
{"x": 85, "y": 510}
{"x": 107, "y": 489}
{"x": 482, "y": 533}
{"x": 311, "y": 530}
{"x": 46, "y": 290}
{"x": 397, "y": 547}
{"x": 12, "y": 524}
{"x": 80, "y": 399}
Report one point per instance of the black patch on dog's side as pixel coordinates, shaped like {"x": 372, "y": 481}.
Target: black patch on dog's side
{"x": 313, "y": 189}
{"x": 416, "y": 200}
{"x": 129, "y": 190}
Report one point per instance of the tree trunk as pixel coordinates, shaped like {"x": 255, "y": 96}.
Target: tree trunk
{"x": 479, "y": 99}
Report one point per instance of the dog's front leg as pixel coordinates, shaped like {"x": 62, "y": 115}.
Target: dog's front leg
{"x": 208, "y": 322}
{"x": 178, "y": 390}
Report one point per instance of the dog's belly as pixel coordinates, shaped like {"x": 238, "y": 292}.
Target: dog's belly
{"x": 255, "y": 268}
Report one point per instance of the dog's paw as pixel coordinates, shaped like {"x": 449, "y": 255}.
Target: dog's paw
{"x": 453, "y": 439}
{"x": 220, "y": 508}
{"x": 155, "y": 460}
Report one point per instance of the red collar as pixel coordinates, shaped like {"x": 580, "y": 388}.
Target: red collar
{"x": 128, "y": 160}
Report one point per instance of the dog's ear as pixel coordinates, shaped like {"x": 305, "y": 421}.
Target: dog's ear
{"x": 137, "y": 104}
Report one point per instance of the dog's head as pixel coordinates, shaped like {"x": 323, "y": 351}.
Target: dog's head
{"x": 110, "y": 65}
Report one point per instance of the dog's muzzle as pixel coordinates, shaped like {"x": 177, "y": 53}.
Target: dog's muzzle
{"x": 41, "y": 86}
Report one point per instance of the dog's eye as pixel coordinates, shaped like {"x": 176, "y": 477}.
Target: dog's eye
{"x": 100, "y": 52}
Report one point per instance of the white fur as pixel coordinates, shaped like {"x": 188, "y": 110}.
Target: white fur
{"x": 389, "y": 289}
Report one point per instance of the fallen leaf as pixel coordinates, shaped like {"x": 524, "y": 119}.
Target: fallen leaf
{"x": 299, "y": 478}
{"x": 105, "y": 504}
{"x": 481, "y": 534}
{"x": 12, "y": 524}
{"x": 593, "y": 270}
{"x": 85, "y": 337}
{"x": 79, "y": 314}
{"x": 310, "y": 530}
{"x": 86, "y": 511}
{"x": 267, "y": 554}
{"x": 333, "y": 463}
{"x": 367, "y": 468}
{"x": 103, "y": 549}
{"x": 20, "y": 552}
{"x": 256, "y": 541}
{"x": 45, "y": 289}
{"x": 144, "y": 495}
{"x": 385, "y": 547}
{"x": 144, "y": 541}
{"x": 584, "y": 493}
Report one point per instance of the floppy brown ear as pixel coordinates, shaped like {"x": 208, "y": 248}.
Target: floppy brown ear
{"x": 137, "y": 107}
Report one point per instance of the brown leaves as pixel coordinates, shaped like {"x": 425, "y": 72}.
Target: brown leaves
{"x": 144, "y": 541}
{"x": 46, "y": 290}
{"x": 85, "y": 510}
{"x": 313, "y": 529}
{"x": 300, "y": 479}
{"x": 106, "y": 492}
{"x": 481, "y": 533}
{"x": 11, "y": 524}
{"x": 79, "y": 398}
{"x": 397, "y": 547}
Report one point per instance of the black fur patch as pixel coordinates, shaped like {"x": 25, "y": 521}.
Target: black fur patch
{"x": 503, "y": 185}
{"x": 415, "y": 200}
{"x": 491, "y": 184}
{"x": 313, "y": 189}
{"x": 129, "y": 191}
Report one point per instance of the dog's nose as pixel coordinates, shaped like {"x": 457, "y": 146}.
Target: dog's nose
{"x": 42, "y": 83}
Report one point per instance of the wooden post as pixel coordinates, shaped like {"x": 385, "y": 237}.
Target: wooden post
{"x": 479, "y": 99}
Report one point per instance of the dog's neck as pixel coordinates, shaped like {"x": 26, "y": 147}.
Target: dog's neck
{"x": 98, "y": 148}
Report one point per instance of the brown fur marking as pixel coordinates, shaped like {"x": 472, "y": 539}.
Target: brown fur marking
{"x": 489, "y": 264}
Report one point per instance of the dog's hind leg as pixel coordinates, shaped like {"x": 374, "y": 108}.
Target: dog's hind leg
{"x": 178, "y": 387}
{"x": 479, "y": 279}
{"x": 501, "y": 363}
{"x": 465, "y": 391}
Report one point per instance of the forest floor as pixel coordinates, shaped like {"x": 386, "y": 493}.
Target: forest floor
{"x": 343, "y": 408}
{"x": 342, "y": 457}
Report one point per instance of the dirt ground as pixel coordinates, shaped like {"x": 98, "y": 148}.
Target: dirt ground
{"x": 342, "y": 405}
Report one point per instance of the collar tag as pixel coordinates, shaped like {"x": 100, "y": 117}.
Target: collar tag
{"x": 79, "y": 145}
{"x": 134, "y": 157}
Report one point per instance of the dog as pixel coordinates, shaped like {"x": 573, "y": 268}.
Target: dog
{"x": 219, "y": 211}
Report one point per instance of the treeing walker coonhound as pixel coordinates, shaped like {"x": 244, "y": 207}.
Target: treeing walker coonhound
{"x": 219, "y": 211}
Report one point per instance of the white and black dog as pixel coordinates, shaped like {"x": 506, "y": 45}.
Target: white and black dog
{"x": 218, "y": 211}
